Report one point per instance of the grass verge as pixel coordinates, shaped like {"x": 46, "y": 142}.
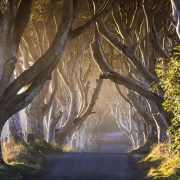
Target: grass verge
{"x": 22, "y": 159}
{"x": 160, "y": 163}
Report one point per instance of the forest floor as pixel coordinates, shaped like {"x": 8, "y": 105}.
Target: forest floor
{"x": 90, "y": 166}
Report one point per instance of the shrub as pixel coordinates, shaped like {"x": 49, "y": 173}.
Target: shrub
{"x": 67, "y": 148}
{"x": 161, "y": 164}
{"x": 19, "y": 153}
{"x": 170, "y": 80}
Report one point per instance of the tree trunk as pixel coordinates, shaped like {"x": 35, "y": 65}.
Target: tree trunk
{"x": 51, "y": 127}
{"x": 176, "y": 15}
{"x": 35, "y": 118}
{"x": 15, "y": 128}
{"x": 160, "y": 121}
{"x": 51, "y": 133}
{"x": 35, "y": 125}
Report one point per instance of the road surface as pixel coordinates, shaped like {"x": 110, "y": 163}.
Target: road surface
{"x": 90, "y": 166}
{"x": 114, "y": 142}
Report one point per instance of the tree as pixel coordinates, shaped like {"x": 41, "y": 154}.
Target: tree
{"x": 35, "y": 77}
{"x": 76, "y": 79}
{"x": 176, "y": 15}
{"x": 15, "y": 128}
{"x": 134, "y": 42}
{"x": 128, "y": 120}
{"x": 85, "y": 138}
{"x": 11, "y": 102}
{"x": 133, "y": 29}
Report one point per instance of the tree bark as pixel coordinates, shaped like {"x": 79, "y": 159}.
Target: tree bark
{"x": 176, "y": 15}
{"x": 51, "y": 127}
{"x": 15, "y": 128}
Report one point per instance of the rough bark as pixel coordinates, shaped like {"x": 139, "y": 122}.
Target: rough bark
{"x": 15, "y": 128}
{"x": 51, "y": 127}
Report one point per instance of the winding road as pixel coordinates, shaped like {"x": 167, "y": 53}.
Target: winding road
{"x": 90, "y": 166}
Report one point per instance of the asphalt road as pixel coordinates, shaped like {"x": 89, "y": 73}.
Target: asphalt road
{"x": 90, "y": 166}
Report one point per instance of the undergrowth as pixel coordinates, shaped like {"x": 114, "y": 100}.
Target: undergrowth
{"x": 20, "y": 153}
{"x": 23, "y": 159}
{"x": 67, "y": 148}
{"x": 160, "y": 163}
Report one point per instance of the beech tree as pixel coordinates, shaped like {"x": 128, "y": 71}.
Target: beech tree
{"x": 128, "y": 121}
{"x": 133, "y": 36}
{"x": 27, "y": 76}
{"x": 86, "y": 137}
{"x": 76, "y": 79}
{"x": 18, "y": 13}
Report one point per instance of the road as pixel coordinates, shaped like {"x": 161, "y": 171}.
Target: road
{"x": 90, "y": 166}
{"x": 114, "y": 142}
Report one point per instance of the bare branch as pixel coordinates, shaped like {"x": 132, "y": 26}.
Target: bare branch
{"x": 21, "y": 19}
{"x": 128, "y": 52}
{"x": 109, "y": 73}
{"x": 80, "y": 120}
{"x": 102, "y": 11}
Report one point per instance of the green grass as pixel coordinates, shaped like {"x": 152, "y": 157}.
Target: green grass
{"x": 161, "y": 164}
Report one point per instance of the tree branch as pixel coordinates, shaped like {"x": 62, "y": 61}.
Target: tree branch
{"x": 39, "y": 73}
{"x": 97, "y": 89}
{"x": 128, "y": 52}
{"x": 21, "y": 19}
{"x": 109, "y": 73}
{"x": 49, "y": 60}
{"x": 101, "y": 12}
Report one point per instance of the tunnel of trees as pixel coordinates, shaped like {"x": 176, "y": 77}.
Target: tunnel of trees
{"x": 59, "y": 58}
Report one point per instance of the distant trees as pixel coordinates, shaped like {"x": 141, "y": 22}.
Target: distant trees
{"x": 79, "y": 98}
{"x": 129, "y": 121}
{"x": 86, "y": 137}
